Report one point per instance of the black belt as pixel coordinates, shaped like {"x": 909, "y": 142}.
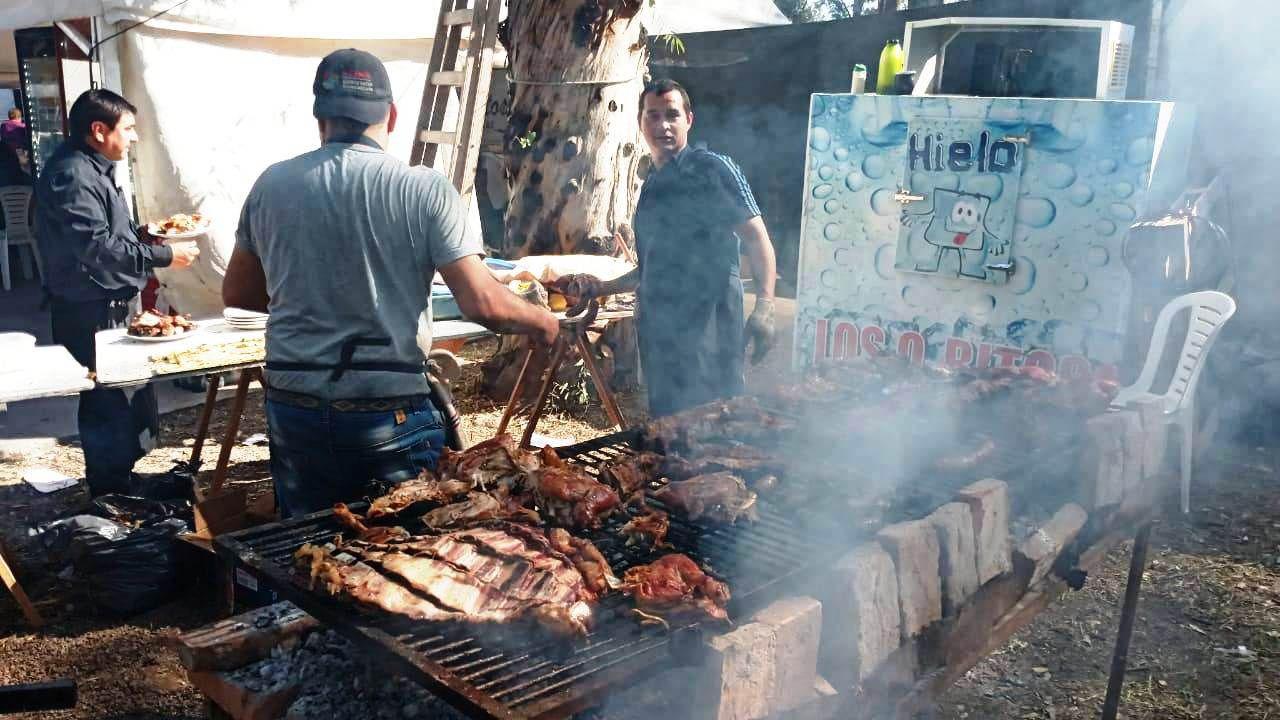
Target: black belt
{"x": 311, "y": 402}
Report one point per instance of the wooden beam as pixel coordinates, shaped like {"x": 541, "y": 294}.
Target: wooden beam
{"x": 247, "y": 376}
{"x": 11, "y": 582}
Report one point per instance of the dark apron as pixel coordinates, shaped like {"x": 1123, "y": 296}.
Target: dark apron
{"x": 689, "y": 317}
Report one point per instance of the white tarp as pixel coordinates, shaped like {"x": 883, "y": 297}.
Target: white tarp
{"x": 211, "y": 122}
{"x": 334, "y": 19}
{"x": 223, "y": 89}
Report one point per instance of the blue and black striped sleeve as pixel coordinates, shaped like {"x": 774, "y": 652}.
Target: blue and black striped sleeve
{"x": 734, "y": 197}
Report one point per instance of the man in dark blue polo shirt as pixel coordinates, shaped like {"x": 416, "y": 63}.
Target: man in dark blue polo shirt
{"x": 94, "y": 264}
{"x": 695, "y": 216}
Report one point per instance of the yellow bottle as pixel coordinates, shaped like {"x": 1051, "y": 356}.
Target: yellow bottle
{"x": 891, "y": 62}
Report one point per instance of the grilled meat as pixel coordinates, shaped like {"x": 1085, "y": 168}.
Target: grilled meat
{"x": 630, "y": 474}
{"x": 153, "y": 323}
{"x": 494, "y": 463}
{"x": 355, "y": 523}
{"x": 569, "y": 496}
{"x": 739, "y": 459}
{"x": 740, "y": 419}
{"x": 493, "y": 574}
{"x": 649, "y": 528}
{"x": 479, "y": 507}
{"x": 587, "y": 558}
{"x": 721, "y": 497}
{"x": 427, "y": 488}
{"x": 496, "y": 466}
{"x": 675, "y": 585}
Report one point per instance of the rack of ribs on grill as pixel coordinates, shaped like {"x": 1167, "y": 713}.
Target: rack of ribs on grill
{"x": 675, "y": 585}
{"x": 720, "y": 497}
{"x": 631, "y": 473}
{"x": 568, "y": 496}
{"x": 493, "y": 573}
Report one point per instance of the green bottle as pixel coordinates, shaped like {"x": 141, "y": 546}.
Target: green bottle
{"x": 891, "y": 62}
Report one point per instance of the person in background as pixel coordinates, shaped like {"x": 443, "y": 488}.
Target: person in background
{"x": 11, "y": 171}
{"x": 696, "y": 214}
{"x": 340, "y": 246}
{"x": 95, "y": 263}
{"x": 13, "y": 132}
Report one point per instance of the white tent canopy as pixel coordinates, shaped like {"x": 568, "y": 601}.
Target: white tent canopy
{"x": 333, "y": 19}
{"x": 223, "y": 89}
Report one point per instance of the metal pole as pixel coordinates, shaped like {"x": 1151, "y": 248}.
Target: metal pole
{"x": 1120, "y": 660}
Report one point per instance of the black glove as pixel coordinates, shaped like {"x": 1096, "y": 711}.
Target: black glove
{"x": 581, "y": 289}
{"x": 760, "y": 330}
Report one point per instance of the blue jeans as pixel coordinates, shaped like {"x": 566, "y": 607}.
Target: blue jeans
{"x": 322, "y": 456}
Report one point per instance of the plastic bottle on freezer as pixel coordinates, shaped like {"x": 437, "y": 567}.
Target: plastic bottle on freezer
{"x": 859, "y": 79}
{"x": 891, "y": 62}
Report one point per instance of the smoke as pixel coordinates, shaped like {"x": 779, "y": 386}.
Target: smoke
{"x": 1219, "y": 58}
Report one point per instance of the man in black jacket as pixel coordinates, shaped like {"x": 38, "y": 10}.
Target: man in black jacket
{"x": 95, "y": 263}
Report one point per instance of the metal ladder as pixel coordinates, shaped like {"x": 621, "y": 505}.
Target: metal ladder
{"x": 468, "y": 81}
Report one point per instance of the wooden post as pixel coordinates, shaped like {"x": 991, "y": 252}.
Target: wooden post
{"x": 557, "y": 355}
{"x": 233, "y": 430}
{"x": 602, "y": 387}
{"x": 206, "y": 414}
{"x": 517, "y": 390}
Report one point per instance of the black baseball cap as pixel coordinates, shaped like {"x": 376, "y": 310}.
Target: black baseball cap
{"x": 352, "y": 84}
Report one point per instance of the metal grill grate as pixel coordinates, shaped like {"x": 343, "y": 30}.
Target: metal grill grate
{"x": 498, "y": 673}
{"x": 490, "y": 673}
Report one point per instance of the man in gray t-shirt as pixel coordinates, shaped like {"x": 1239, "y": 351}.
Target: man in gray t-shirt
{"x": 340, "y": 246}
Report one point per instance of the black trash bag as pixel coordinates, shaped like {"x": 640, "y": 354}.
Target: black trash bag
{"x": 130, "y": 574}
{"x": 176, "y": 484}
{"x": 55, "y": 537}
{"x": 137, "y": 511}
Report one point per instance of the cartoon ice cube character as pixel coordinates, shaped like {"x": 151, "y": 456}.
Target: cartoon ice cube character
{"x": 957, "y": 223}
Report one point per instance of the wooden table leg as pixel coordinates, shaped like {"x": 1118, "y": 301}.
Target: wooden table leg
{"x": 233, "y": 430}
{"x": 602, "y": 388}
{"x": 206, "y": 414}
{"x": 557, "y": 355}
{"x": 517, "y": 390}
{"x": 11, "y": 581}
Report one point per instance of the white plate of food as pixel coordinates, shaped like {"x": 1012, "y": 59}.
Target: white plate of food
{"x": 179, "y": 226}
{"x": 156, "y": 327}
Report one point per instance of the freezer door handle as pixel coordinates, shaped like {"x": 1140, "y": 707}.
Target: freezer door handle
{"x": 906, "y": 197}
{"x": 1008, "y": 267}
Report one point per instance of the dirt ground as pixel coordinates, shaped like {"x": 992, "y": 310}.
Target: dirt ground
{"x": 1207, "y": 642}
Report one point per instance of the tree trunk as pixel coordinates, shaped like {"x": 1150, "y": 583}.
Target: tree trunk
{"x": 575, "y": 158}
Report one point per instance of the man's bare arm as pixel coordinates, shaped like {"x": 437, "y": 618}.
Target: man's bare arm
{"x": 245, "y": 284}
{"x": 759, "y": 251}
{"x": 483, "y": 299}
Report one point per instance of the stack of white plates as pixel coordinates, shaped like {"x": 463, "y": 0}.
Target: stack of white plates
{"x": 238, "y": 319}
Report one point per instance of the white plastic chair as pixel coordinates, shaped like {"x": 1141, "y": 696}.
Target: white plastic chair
{"x": 1208, "y": 311}
{"x": 15, "y": 201}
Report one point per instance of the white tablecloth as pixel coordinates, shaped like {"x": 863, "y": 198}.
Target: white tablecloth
{"x": 39, "y": 372}
{"x": 124, "y": 361}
